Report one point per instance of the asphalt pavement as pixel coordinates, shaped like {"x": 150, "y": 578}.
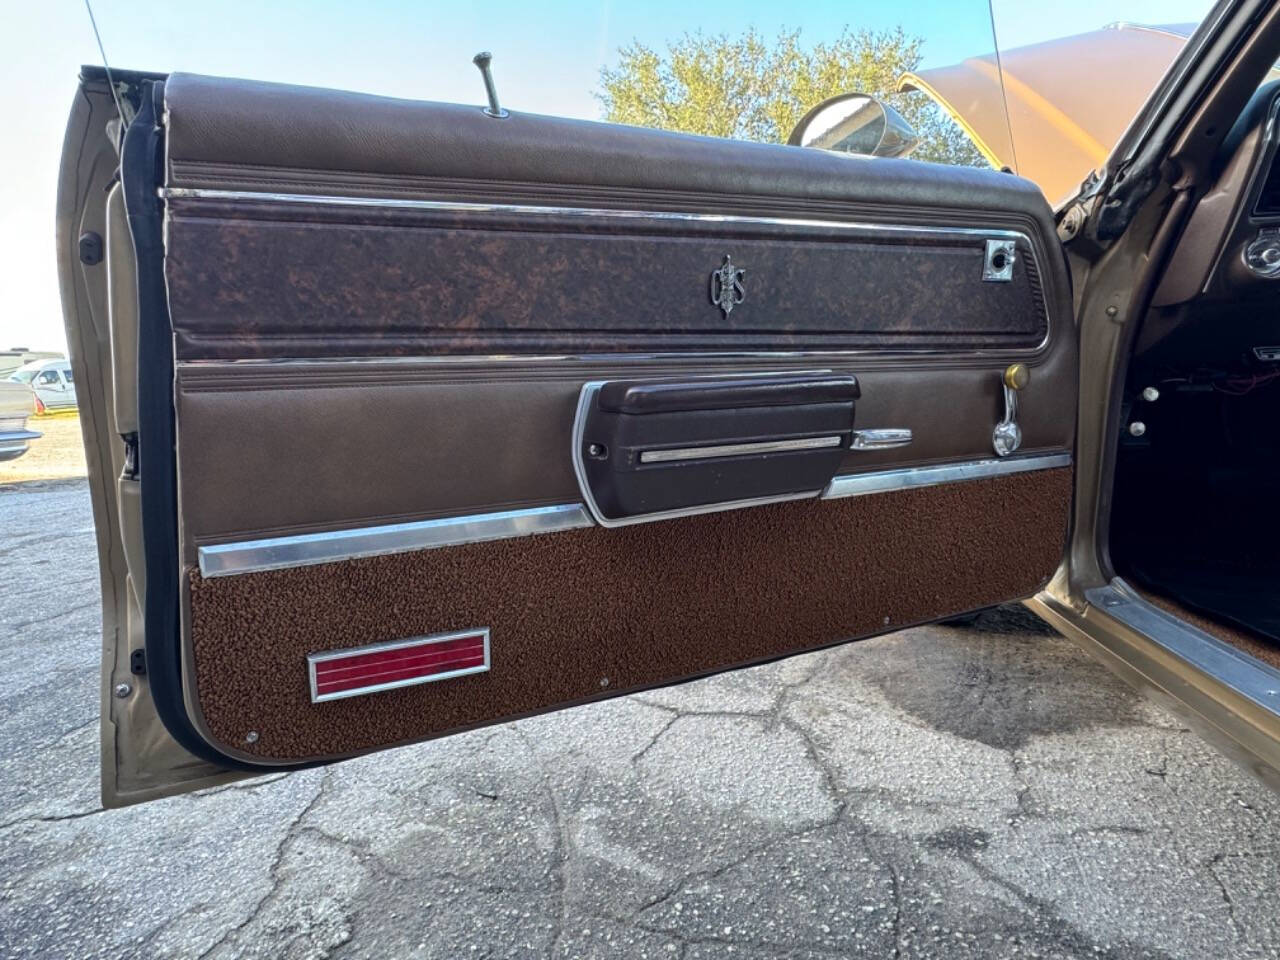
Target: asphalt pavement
{"x": 941, "y": 792}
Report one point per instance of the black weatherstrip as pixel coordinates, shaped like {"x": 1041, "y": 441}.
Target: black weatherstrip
{"x": 140, "y": 168}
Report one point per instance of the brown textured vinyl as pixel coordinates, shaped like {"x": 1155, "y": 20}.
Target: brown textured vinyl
{"x": 594, "y": 612}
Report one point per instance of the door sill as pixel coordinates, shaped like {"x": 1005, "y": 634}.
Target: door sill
{"x": 1226, "y": 695}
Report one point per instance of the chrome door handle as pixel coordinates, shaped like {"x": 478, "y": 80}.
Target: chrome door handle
{"x": 884, "y": 438}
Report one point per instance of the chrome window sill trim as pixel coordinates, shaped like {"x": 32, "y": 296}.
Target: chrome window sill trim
{"x": 1251, "y": 678}
{"x": 880, "y": 481}
{"x": 601, "y": 213}
{"x": 300, "y": 550}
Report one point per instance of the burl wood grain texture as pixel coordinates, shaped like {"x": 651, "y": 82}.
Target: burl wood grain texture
{"x": 255, "y": 281}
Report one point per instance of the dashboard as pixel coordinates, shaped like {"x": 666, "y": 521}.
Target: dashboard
{"x": 1231, "y": 246}
{"x": 1215, "y": 305}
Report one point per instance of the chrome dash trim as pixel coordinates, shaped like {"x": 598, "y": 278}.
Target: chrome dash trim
{"x": 306, "y": 549}
{"x": 313, "y": 659}
{"x": 594, "y": 213}
{"x": 301, "y": 550}
{"x": 738, "y": 449}
{"x": 881, "y": 481}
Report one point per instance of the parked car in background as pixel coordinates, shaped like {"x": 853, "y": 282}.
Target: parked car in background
{"x": 15, "y": 357}
{"x": 16, "y": 404}
{"x": 52, "y": 382}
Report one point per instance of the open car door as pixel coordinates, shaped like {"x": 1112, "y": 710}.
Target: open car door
{"x": 405, "y": 419}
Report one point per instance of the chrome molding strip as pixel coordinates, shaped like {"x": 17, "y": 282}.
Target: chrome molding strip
{"x": 593, "y": 213}
{"x": 275, "y": 553}
{"x": 738, "y": 449}
{"x": 903, "y": 354}
{"x": 1247, "y": 675}
{"x": 880, "y": 481}
{"x": 313, "y": 659}
{"x": 300, "y": 550}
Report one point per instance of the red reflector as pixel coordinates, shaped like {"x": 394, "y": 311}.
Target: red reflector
{"x": 401, "y": 663}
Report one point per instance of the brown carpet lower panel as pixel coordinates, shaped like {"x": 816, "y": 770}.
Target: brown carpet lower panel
{"x": 579, "y": 614}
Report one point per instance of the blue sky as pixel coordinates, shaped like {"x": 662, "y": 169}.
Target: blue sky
{"x": 547, "y": 59}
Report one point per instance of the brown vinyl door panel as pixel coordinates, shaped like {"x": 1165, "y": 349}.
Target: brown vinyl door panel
{"x": 384, "y": 315}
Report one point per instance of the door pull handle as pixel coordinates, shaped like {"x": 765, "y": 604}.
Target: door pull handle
{"x": 884, "y": 438}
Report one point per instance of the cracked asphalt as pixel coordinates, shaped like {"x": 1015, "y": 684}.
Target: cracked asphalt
{"x": 977, "y": 792}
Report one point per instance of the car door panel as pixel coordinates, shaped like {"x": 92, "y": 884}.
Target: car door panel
{"x": 394, "y": 327}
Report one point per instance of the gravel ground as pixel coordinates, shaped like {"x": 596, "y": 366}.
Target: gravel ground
{"x": 57, "y": 455}
{"x": 983, "y": 792}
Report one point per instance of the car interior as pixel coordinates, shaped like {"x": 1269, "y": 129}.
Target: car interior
{"x": 1194, "y": 520}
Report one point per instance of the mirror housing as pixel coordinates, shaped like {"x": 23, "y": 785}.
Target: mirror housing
{"x": 855, "y": 123}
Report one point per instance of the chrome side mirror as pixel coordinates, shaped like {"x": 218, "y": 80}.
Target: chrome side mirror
{"x": 855, "y": 123}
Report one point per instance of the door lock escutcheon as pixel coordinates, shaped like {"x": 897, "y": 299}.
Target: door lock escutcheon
{"x": 1007, "y": 436}
{"x": 998, "y": 259}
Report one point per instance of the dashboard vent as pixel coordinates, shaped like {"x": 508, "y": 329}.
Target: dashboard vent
{"x": 1269, "y": 199}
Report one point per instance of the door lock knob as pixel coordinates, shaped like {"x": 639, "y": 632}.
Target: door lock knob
{"x": 494, "y": 109}
{"x": 1007, "y": 436}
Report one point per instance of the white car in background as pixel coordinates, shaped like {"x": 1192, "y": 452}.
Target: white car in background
{"x": 16, "y": 403}
{"x": 51, "y": 381}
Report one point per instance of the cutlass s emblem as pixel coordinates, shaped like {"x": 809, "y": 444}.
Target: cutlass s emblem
{"x": 726, "y": 286}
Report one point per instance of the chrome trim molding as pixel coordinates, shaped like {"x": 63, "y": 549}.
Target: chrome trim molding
{"x": 589, "y": 391}
{"x": 301, "y": 550}
{"x": 306, "y": 549}
{"x": 880, "y": 481}
{"x": 972, "y": 357}
{"x": 601, "y": 213}
{"x": 738, "y": 449}
{"x": 316, "y": 658}
{"x": 1248, "y": 676}
{"x": 884, "y": 438}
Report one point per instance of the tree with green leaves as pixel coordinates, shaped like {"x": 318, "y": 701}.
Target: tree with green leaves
{"x": 749, "y": 89}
